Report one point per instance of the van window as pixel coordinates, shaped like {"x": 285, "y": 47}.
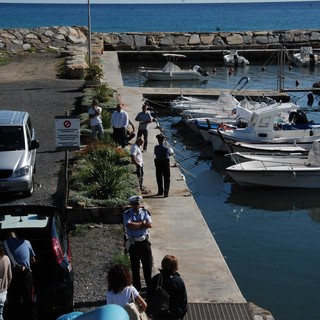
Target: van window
{"x": 11, "y": 138}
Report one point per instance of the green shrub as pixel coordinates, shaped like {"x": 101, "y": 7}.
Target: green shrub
{"x": 101, "y": 174}
{"x": 93, "y": 72}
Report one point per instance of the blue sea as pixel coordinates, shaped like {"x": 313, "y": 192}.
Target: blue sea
{"x": 165, "y": 17}
{"x": 270, "y": 238}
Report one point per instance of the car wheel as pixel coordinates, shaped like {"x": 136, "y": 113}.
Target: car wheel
{"x": 30, "y": 191}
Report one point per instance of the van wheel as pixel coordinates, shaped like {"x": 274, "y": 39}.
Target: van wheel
{"x": 30, "y": 191}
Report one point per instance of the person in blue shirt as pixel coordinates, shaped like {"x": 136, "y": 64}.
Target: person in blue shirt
{"x": 137, "y": 222}
{"x": 21, "y": 288}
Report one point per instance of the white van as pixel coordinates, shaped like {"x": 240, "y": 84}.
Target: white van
{"x": 17, "y": 152}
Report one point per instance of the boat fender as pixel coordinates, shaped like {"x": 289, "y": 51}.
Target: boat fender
{"x": 297, "y": 83}
{"x": 310, "y": 99}
{"x": 230, "y": 71}
{"x": 294, "y": 176}
{"x": 311, "y": 133}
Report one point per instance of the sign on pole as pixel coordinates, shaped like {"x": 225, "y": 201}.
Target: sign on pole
{"x": 67, "y": 132}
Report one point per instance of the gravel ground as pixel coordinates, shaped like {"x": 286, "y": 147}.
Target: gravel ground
{"x": 30, "y": 83}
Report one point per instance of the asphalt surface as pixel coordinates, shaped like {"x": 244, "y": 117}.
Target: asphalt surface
{"x": 43, "y": 99}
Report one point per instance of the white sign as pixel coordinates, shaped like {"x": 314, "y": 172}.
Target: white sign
{"x": 67, "y": 132}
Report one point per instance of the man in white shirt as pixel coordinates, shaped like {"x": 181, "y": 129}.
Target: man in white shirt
{"x": 119, "y": 122}
{"x": 95, "y": 119}
{"x": 137, "y": 159}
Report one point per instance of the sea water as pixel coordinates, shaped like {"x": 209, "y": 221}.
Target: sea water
{"x": 270, "y": 238}
{"x": 165, "y": 17}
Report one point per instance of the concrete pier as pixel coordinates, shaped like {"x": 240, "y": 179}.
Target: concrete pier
{"x": 179, "y": 227}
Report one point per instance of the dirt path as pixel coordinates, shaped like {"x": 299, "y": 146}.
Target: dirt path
{"x": 31, "y": 66}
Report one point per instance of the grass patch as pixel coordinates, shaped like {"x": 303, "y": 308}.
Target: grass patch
{"x": 121, "y": 258}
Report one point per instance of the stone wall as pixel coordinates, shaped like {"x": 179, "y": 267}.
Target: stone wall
{"x": 14, "y": 40}
{"x": 292, "y": 39}
{"x": 72, "y": 42}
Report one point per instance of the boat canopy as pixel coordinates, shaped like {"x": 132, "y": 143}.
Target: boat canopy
{"x": 305, "y": 51}
{"x": 171, "y": 67}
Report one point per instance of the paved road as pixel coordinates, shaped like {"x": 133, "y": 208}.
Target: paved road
{"x": 44, "y": 96}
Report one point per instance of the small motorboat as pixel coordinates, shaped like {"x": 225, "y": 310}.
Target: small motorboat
{"x": 277, "y": 123}
{"x": 306, "y": 57}
{"x": 223, "y": 106}
{"x": 289, "y": 172}
{"x": 172, "y": 72}
{"x": 268, "y": 148}
{"x": 184, "y": 103}
{"x": 234, "y": 59}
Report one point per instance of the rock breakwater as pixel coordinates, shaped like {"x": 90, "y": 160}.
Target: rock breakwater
{"x": 42, "y": 38}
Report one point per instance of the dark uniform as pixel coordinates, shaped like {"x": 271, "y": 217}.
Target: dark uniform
{"x": 162, "y": 163}
{"x": 137, "y": 221}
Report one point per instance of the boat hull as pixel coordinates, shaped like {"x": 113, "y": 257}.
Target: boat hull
{"x": 171, "y": 76}
{"x": 253, "y": 173}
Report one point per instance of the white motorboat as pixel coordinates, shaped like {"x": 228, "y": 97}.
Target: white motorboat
{"x": 287, "y": 173}
{"x": 306, "y": 57}
{"x": 179, "y": 106}
{"x": 202, "y": 126}
{"x": 172, "y": 72}
{"x": 223, "y": 106}
{"x": 234, "y": 59}
{"x": 275, "y": 123}
{"x": 294, "y": 157}
{"x": 268, "y": 148}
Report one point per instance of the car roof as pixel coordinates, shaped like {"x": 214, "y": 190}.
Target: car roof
{"x": 25, "y": 216}
{"x": 11, "y": 117}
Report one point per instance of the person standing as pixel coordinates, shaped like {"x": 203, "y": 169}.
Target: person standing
{"x": 137, "y": 160}
{"x": 171, "y": 281}
{"x": 5, "y": 278}
{"x": 21, "y": 288}
{"x": 95, "y": 119}
{"x": 120, "y": 122}
{"x": 120, "y": 288}
{"x": 162, "y": 162}
{"x": 144, "y": 118}
{"x": 137, "y": 222}
{"x": 130, "y": 133}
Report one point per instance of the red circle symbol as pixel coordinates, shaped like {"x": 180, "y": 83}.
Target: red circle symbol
{"x": 67, "y": 124}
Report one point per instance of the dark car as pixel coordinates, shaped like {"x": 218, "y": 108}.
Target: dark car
{"x": 53, "y": 275}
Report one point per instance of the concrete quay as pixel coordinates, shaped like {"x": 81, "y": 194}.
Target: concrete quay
{"x": 179, "y": 227}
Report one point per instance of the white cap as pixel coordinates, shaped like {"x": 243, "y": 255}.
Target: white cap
{"x": 135, "y": 199}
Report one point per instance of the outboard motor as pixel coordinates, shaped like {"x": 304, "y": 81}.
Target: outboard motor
{"x": 298, "y": 117}
{"x": 236, "y": 61}
{"x": 310, "y": 100}
{"x": 312, "y": 59}
{"x": 202, "y": 72}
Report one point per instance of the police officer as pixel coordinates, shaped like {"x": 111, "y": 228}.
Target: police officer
{"x": 137, "y": 222}
{"x": 162, "y": 162}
